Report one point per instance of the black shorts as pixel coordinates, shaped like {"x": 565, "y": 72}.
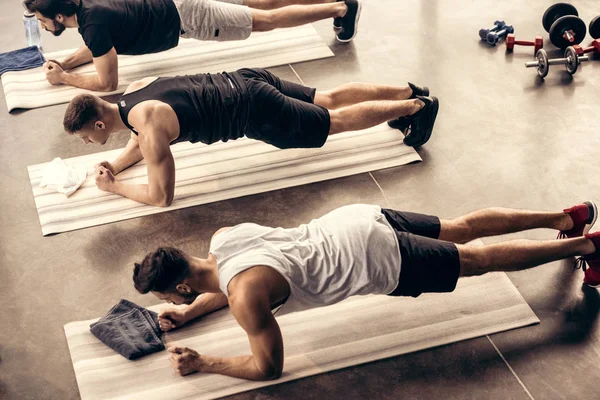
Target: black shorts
{"x": 283, "y": 113}
{"x": 428, "y": 264}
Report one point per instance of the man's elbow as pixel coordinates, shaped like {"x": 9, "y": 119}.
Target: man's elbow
{"x": 109, "y": 86}
{"x": 163, "y": 201}
{"x": 270, "y": 373}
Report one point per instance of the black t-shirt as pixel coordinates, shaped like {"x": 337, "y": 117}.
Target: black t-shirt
{"x": 130, "y": 26}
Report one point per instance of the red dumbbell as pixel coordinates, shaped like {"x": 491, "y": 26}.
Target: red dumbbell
{"x": 595, "y": 45}
{"x": 511, "y": 43}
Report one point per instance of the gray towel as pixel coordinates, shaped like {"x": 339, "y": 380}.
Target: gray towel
{"x": 19, "y": 60}
{"x": 130, "y": 330}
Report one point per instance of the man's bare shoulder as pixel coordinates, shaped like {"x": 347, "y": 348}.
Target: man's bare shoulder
{"x": 154, "y": 118}
{"x": 248, "y": 292}
{"x": 221, "y": 230}
{"x": 139, "y": 84}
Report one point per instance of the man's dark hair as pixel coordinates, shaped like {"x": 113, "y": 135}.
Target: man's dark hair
{"x": 161, "y": 270}
{"x": 50, "y": 8}
{"x": 81, "y": 111}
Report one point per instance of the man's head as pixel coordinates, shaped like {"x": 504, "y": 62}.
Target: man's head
{"x": 85, "y": 118}
{"x": 52, "y": 14}
{"x": 165, "y": 272}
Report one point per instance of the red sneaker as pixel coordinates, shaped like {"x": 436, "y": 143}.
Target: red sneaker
{"x": 591, "y": 262}
{"x": 584, "y": 216}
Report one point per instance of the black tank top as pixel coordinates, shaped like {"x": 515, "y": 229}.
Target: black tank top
{"x": 209, "y": 107}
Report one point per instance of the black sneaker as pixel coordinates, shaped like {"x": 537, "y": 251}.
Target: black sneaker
{"x": 350, "y": 21}
{"x": 403, "y": 123}
{"x": 422, "y": 122}
{"x": 337, "y": 21}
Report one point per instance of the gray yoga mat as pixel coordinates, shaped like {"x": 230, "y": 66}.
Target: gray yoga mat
{"x": 355, "y": 331}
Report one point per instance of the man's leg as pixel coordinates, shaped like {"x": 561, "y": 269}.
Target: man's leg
{"x": 295, "y": 15}
{"x": 356, "y": 92}
{"x": 273, "y": 4}
{"x": 574, "y": 221}
{"x": 521, "y": 254}
{"x": 371, "y": 113}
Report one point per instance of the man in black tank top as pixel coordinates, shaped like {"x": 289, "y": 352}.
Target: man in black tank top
{"x": 249, "y": 102}
{"x": 111, "y": 27}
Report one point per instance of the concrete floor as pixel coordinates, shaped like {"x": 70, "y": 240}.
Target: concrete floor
{"x": 503, "y": 138}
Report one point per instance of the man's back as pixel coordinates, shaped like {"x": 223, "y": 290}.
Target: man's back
{"x": 209, "y": 107}
{"x": 350, "y": 251}
{"x": 130, "y": 26}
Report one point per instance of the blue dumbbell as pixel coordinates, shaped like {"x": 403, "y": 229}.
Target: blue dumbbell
{"x": 497, "y": 26}
{"x": 493, "y": 37}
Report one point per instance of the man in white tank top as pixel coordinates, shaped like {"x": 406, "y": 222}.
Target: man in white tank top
{"x": 354, "y": 250}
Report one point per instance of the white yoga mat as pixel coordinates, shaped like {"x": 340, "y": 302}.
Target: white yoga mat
{"x": 29, "y": 89}
{"x": 356, "y": 331}
{"x": 217, "y": 172}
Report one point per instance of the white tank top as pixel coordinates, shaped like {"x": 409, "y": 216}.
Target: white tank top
{"x": 351, "y": 251}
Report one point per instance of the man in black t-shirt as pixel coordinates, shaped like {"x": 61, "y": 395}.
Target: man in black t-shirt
{"x": 111, "y": 27}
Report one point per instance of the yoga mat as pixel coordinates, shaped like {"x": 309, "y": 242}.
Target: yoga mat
{"x": 206, "y": 174}
{"x": 355, "y": 331}
{"x": 29, "y": 89}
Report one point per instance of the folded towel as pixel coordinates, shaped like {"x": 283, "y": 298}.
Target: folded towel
{"x": 130, "y": 330}
{"x": 63, "y": 178}
{"x": 22, "y": 59}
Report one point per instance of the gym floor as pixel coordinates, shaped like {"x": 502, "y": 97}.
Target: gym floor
{"x": 502, "y": 138}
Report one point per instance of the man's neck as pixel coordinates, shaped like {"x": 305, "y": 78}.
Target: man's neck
{"x": 204, "y": 277}
{"x": 114, "y": 121}
{"x": 71, "y": 22}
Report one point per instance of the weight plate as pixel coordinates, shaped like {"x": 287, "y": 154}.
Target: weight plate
{"x": 595, "y": 28}
{"x": 564, "y": 24}
{"x": 556, "y": 11}
{"x": 572, "y": 61}
{"x": 543, "y": 67}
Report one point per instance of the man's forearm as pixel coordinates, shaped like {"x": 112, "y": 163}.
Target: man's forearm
{"x": 206, "y": 303}
{"x": 89, "y": 82}
{"x": 82, "y": 56}
{"x": 242, "y": 367}
{"x": 131, "y": 155}
{"x": 139, "y": 193}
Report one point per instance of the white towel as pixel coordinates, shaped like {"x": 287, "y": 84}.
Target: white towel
{"x": 63, "y": 178}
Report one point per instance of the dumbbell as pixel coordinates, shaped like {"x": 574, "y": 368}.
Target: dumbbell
{"x": 493, "y": 37}
{"x": 571, "y": 61}
{"x": 595, "y": 45}
{"x": 595, "y": 27}
{"x": 497, "y": 26}
{"x": 561, "y": 20}
{"x": 511, "y": 43}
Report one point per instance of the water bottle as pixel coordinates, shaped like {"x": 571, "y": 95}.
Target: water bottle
{"x": 32, "y": 29}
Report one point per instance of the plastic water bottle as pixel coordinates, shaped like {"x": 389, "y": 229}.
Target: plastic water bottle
{"x": 32, "y": 29}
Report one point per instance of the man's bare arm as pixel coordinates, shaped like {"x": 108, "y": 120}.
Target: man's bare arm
{"x": 130, "y": 155}
{"x": 83, "y": 55}
{"x": 174, "y": 317}
{"x": 106, "y": 78}
{"x": 160, "y": 189}
{"x": 253, "y": 313}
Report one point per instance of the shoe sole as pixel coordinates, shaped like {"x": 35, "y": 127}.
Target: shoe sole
{"x": 592, "y": 286}
{"x": 435, "y": 107}
{"x": 589, "y": 224}
{"x": 355, "y": 25}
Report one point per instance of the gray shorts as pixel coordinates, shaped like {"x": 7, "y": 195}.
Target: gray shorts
{"x": 219, "y": 20}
